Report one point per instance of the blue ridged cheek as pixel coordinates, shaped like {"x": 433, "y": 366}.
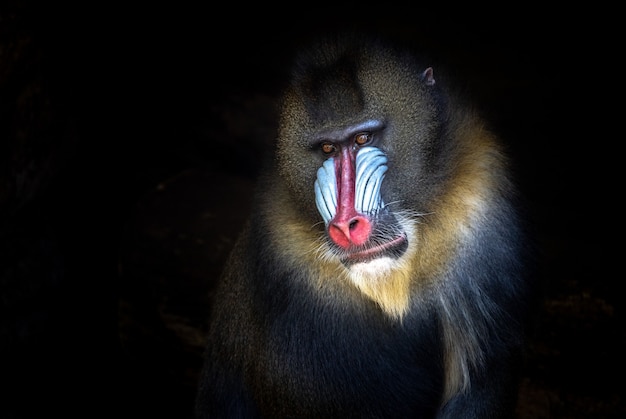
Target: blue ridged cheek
{"x": 371, "y": 166}
{"x": 326, "y": 190}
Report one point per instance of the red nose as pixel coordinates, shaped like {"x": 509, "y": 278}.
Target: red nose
{"x": 353, "y": 231}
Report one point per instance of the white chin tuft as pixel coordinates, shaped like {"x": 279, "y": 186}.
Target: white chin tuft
{"x": 373, "y": 269}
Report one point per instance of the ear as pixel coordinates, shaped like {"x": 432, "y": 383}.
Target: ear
{"x": 428, "y": 77}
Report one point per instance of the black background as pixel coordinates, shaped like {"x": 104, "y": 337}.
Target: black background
{"x": 130, "y": 137}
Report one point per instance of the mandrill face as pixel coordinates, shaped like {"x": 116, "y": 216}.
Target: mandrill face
{"x": 347, "y": 196}
{"x": 363, "y": 155}
{"x": 350, "y": 149}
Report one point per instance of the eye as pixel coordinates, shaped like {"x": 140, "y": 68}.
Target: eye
{"x": 328, "y": 148}
{"x": 362, "y": 138}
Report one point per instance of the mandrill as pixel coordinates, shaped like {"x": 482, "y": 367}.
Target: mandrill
{"x": 382, "y": 272}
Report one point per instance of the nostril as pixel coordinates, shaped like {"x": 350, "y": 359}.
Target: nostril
{"x": 359, "y": 229}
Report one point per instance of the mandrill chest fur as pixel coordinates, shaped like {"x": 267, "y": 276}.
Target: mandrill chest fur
{"x": 327, "y": 350}
{"x": 382, "y": 272}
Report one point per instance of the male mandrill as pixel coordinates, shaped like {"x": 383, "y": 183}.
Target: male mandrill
{"x": 382, "y": 272}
